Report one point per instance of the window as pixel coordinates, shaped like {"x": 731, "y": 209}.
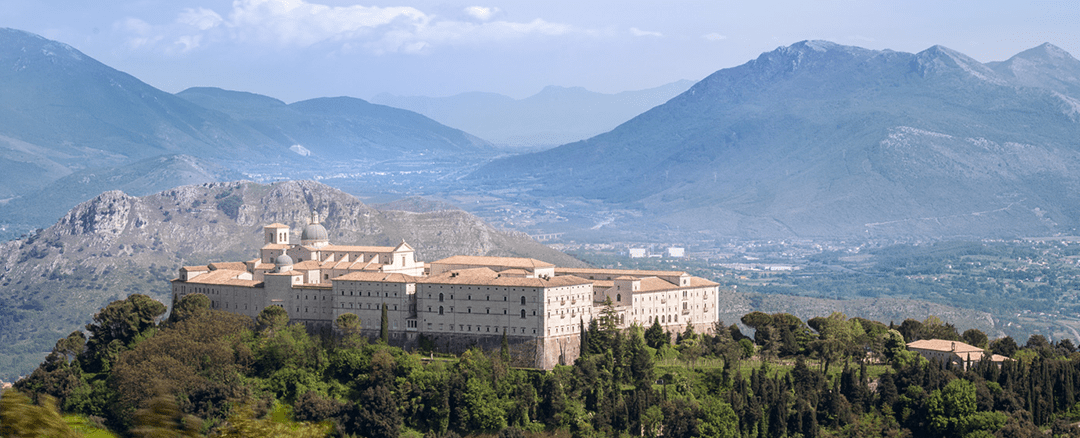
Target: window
{"x": 440, "y": 298}
{"x": 618, "y": 298}
{"x": 440, "y": 310}
{"x": 522, "y": 301}
{"x": 522, "y": 313}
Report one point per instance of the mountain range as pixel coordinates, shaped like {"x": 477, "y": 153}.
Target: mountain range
{"x": 116, "y": 244}
{"x": 62, "y": 112}
{"x": 823, "y": 140}
{"x": 552, "y": 117}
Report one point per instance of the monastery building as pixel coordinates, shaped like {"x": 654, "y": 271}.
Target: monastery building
{"x": 454, "y": 303}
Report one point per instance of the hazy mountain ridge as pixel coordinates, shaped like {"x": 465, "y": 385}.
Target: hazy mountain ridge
{"x": 555, "y": 115}
{"x": 804, "y": 141}
{"x": 62, "y": 112}
{"x": 139, "y": 178}
{"x": 338, "y": 127}
{"x": 116, "y": 244}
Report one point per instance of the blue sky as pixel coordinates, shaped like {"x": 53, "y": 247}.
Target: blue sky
{"x": 300, "y": 49}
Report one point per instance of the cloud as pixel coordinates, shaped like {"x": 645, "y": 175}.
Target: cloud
{"x": 300, "y": 23}
{"x": 714, "y": 37}
{"x": 480, "y": 12}
{"x": 201, "y": 18}
{"x": 638, "y": 32}
{"x": 142, "y": 33}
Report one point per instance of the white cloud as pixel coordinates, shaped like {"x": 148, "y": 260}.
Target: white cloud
{"x": 714, "y": 37}
{"x": 142, "y": 33}
{"x": 300, "y": 23}
{"x": 638, "y": 32}
{"x": 201, "y": 18}
{"x": 189, "y": 42}
{"x": 480, "y": 12}
{"x": 296, "y": 22}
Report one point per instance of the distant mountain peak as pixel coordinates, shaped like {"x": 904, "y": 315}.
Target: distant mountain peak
{"x": 1051, "y": 50}
{"x": 20, "y": 44}
{"x": 816, "y": 45}
{"x": 941, "y": 60}
{"x": 1044, "y": 53}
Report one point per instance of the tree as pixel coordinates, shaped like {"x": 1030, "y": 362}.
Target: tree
{"x": 839, "y": 337}
{"x": 272, "y": 318}
{"x": 1004, "y": 346}
{"x": 116, "y": 327}
{"x": 718, "y": 419}
{"x": 377, "y": 414}
{"x": 384, "y": 327}
{"x": 655, "y": 336}
{"x": 348, "y": 324}
{"x": 189, "y": 306}
{"x": 975, "y": 337}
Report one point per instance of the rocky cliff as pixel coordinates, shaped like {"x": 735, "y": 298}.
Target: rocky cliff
{"x": 116, "y": 244}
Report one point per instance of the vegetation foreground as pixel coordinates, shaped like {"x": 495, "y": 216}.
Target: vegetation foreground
{"x": 205, "y": 372}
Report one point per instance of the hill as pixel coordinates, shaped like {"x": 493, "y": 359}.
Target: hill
{"x": 64, "y": 113}
{"x": 554, "y": 116}
{"x": 140, "y": 178}
{"x": 115, "y": 245}
{"x": 822, "y": 140}
{"x": 339, "y": 128}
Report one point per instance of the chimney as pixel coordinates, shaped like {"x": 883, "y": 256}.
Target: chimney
{"x": 954, "y": 346}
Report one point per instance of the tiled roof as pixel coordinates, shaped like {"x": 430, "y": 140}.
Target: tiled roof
{"x": 377, "y": 276}
{"x": 354, "y": 248}
{"x": 195, "y": 268}
{"x": 276, "y": 246}
{"x": 617, "y": 272}
{"x": 701, "y": 282}
{"x": 943, "y": 345}
{"x": 506, "y": 262}
{"x": 487, "y": 277}
{"x": 225, "y": 277}
{"x": 307, "y": 265}
{"x": 235, "y": 266}
{"x": 276, "y": 225}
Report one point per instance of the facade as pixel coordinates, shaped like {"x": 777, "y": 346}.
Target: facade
{"x": 454, "y": 303}
{"x": 957, "y": 353}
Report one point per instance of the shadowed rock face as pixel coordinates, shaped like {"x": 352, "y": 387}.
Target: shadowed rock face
{"x": 822, "y": 140}
{"x": 115, "y": 245}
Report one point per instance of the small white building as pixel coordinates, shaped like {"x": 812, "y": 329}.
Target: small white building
{"x": 676, "y": 252}
{"x": 637, "y": 253}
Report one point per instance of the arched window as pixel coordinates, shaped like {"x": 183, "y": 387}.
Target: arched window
{"x": 618, "y": 297}
{"x": 522, "y": 301}
{"x": 440, "y": 310}
{"x": 522, "y": 313}
{"x": 440, "y": 298}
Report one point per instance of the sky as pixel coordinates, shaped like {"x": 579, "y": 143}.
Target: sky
{"x": 301, "y": 49}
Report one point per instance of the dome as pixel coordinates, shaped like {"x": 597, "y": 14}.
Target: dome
{"x": 283, "y": 260}
{"x": 314, "y": 233}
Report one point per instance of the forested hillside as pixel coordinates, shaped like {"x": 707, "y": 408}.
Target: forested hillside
{"x": 208, "y": 372}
